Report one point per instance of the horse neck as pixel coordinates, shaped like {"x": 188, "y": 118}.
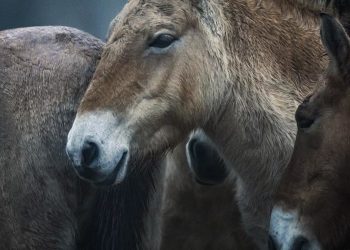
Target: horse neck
{"x": 271, "y": 65}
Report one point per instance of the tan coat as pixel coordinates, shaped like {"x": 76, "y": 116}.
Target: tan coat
{"x": 237, "y": 69}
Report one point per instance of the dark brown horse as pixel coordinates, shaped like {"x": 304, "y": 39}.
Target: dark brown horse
{"x": 312, "y": 208}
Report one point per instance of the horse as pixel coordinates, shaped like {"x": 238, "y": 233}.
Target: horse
{"x": 312, "y": 203}
{"x": 233, "y": 68}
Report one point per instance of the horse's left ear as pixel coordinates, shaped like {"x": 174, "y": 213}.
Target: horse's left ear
{"x": 335, "y": 39}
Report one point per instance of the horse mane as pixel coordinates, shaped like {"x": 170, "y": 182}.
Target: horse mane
{"x": 303, "y": 6}
{"x": 306, "y": 11}
{"x": 340, "y": 8}
{"x": 310, "y": 5}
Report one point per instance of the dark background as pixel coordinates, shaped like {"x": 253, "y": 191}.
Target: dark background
{"x": 92, "y": 16}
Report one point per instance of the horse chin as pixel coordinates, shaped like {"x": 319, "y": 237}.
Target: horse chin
{"x": 119, "y": 173}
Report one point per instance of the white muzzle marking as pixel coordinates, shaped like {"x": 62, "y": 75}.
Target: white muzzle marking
{"x": 286, "y": 230}
{"x": 101, "y": 128}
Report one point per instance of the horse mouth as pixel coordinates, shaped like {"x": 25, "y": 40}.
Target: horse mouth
{"x": 120, "y": 169}
{"x": 106, "y": 177}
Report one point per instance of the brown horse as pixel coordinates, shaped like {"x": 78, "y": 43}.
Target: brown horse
{"x": 234, "y": 68}
{"x": 312, "y": 209}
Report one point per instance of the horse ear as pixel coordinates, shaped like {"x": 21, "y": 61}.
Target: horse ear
{"x": 204, "y": 160}
{"x": 335, "y": 39}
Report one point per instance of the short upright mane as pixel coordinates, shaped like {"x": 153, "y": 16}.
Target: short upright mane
{"x": 310, "y": 5}
{"x": 306, "y": 10}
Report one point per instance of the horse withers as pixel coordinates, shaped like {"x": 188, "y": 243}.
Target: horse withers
{"x": 312, "y": 208}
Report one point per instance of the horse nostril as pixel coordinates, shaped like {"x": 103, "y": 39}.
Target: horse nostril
{"x": 272, "y": 245}
{"x": 89, "y": 153}
{"x": 300, "y": 243}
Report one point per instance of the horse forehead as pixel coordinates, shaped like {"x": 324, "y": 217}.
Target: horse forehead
{"x": 167, "y": 8}
{"x": 164, "y": 7}
{"x": 141, "y": 16}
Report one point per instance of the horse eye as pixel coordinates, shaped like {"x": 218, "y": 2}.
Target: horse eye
{"x": 163, "y": 41}
{"x": 303, "y": 121}
{"x": 304, "y": 118}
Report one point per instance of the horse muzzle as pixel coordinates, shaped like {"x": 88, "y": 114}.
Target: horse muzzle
{"x": 98, "y": 152}
{"x": 288, "y": 233}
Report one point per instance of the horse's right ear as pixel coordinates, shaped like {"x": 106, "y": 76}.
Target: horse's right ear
{"x": 335, "y": 39}
{"x": 204, "y": 160}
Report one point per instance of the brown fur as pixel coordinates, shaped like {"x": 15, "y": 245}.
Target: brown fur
{"x": 238, "y": 71}
{"x": 305, "y": 12}
{"x": 316, "y": 182}
{"x": 313, "y": 6}
{"x": 196, "y": 216}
